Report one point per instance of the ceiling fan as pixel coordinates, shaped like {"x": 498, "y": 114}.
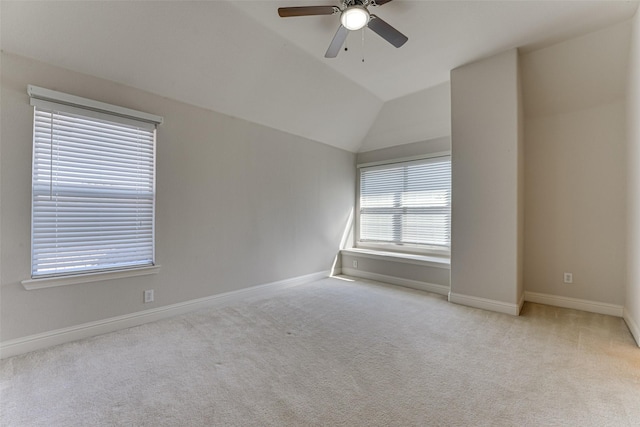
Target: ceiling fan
{"x": 354, "y": 15}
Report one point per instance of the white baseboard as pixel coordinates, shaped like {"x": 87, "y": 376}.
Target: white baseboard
{"x": 520, "y": 304}
{"x": 407, "y": 283}
{"x": 486, "y": 304}
{"x": 632, "y": 325}
{"x": 86, "y": 330}
{"x": 575, "y": 303}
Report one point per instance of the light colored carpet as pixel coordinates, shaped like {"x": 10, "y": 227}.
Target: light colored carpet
{"x": 337, "y": 353}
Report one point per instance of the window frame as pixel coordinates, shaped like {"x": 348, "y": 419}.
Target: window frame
{"x": 48, "y": 100}
{"x": 413, "y": 249}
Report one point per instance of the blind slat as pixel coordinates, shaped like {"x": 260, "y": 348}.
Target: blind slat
{"x": 93, "y": 193}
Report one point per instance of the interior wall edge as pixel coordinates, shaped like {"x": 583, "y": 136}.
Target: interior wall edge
{"x": 632, "y": 325}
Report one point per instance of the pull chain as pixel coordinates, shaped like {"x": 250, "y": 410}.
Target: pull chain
{"x": 363, "y": 43}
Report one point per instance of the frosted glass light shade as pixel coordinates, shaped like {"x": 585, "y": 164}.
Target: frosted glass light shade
{"x": 354, "y": 17}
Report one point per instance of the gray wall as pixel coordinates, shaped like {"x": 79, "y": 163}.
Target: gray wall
{"x": 575, "y": 166}
{"x": 238, "y": 204}
{"x": 632, "y": 289}
{"x": 395, "y": 270}
{"x": 435, "y": 145}
{"x": 419, "y": 116}
{"x": 486, "y": 142}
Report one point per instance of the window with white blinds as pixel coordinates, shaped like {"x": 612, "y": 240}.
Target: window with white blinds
{"x": 93, "y": 188}
{"x": 406, "y": 205}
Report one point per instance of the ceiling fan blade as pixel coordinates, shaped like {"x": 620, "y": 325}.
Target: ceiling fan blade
{"x": 381, "y": 2}
{"x": 286, "y": 12}
{"x": 387, "y": 32}
{"x": 337, "y": 42}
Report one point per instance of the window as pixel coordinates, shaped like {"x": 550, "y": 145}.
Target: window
{"x": 406, "y": 206}
{"x": 93, "y": 186}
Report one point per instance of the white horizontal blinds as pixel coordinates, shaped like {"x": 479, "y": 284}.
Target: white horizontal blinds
{"x": 93, "y": 192}
{"x": 407, "y": 203}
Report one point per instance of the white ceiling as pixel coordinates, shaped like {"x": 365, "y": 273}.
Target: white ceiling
{"x": 442, "y": 35}
{"x": 240, "y": 58}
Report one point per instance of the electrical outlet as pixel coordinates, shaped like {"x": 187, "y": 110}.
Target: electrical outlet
{"x": 148, "y": 295}
{"x": 355, "y": 263}
{"x": 568, "y": 277}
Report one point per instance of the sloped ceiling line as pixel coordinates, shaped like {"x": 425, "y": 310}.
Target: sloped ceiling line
{"x": 241, "y": 59}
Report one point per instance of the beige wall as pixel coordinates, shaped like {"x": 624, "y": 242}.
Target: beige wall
{"x": 420, "y": 116}
{"x": 486, "y": 145}
{"x": 520, "y": 233}
{"x": 435, "y": 145}
{"x": 575, "y": 166}
{"x": 575, "y": 196}
{"x": 632, "y": 291}
{"x": 388, "y": 270}
{"x": 238, "y": 204}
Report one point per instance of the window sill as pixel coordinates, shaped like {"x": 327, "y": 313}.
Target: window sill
{"x": 423, "y": 260}
{"x": 50, "y": 282}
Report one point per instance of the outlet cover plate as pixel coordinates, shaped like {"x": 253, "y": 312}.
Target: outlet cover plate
{"x": 148, "y": 295}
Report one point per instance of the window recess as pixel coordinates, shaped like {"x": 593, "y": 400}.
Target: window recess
{"x": 406, "y": 206}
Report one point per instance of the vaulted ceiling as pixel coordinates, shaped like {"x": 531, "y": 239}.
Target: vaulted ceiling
{"x": 240, "y": 58}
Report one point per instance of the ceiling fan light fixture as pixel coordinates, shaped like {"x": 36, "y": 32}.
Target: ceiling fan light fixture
{"x": 354, "y": 17}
